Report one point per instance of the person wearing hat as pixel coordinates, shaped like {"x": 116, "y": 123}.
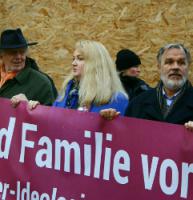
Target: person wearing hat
{"x": 16, "y": 75}
{"x": 127, "y": 64}
{"x": 171, "y": 100}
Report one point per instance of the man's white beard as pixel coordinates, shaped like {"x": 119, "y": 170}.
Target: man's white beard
{"x": 174, "y": 85}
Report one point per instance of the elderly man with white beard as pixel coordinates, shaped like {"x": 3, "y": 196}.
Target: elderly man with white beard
{"x": 172, "y": 100}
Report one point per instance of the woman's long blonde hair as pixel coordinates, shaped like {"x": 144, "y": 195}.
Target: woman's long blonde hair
{"x": 99, "y": 81}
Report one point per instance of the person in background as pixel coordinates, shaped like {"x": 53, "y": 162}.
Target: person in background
{"x": 93, "y": 84}
{"x": 15, "y": 75}
{"x": 172, "y": 100}
{"x": 128, "y": 67}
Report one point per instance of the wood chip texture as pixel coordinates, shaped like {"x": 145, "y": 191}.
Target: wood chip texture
{"x": 140, "y": 25}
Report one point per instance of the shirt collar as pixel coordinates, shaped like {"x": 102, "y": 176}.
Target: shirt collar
{"x": 166, "y": 96}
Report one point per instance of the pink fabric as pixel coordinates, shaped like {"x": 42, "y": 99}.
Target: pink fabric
{"x": 130, "y": 149}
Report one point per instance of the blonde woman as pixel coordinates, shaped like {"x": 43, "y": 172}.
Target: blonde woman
{"x": 93, "y": 84}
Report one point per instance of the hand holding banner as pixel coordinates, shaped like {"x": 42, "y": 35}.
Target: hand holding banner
{"x": 57, "y": 154}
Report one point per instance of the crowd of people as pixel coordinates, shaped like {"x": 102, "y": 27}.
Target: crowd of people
{"x": 98, "y": 84}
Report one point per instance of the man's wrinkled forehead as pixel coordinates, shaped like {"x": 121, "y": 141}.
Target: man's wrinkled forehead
{"x": 15, "y": 51}
{"x": 174, "y": 52}
{"x": 174, "y": 46}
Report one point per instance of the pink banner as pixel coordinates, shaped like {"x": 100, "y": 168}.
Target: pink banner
{"x": 57, "y": 154}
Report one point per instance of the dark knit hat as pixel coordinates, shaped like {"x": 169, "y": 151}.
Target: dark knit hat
{"x": 126, "y": 59}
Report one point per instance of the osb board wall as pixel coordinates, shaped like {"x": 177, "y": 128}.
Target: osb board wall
{"x": 141, "y": 25}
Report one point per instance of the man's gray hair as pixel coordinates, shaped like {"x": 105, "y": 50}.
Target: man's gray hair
{"x": 174, "y": 46}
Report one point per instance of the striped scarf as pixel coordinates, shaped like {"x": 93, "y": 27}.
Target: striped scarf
{"x": 165, "y": 109}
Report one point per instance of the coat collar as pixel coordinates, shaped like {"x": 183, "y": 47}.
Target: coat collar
{"x": 23, "y": 75}
{"x": 151, "y": 105}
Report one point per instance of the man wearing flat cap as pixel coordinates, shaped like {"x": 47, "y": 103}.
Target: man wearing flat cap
{"x": 16, "y": 76}
{"x": 128, "y": 65}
